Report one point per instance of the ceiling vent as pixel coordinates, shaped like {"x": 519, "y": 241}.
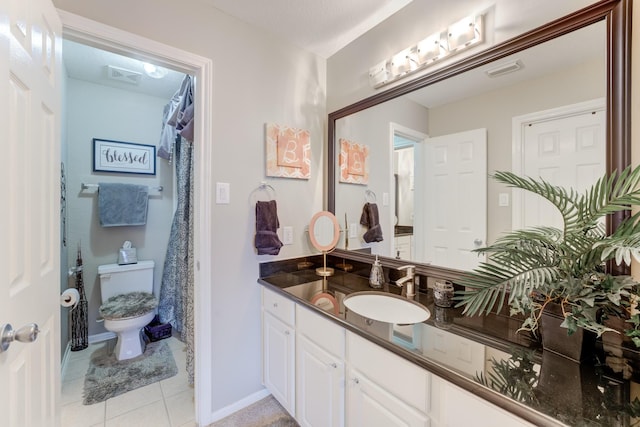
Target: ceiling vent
{"x": 123, "y": 75}
{"x": 505, "y": 68}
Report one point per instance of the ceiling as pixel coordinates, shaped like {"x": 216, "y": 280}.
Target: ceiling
{"x": 323, "y": 26}
{"x": 319, "y": 26}
{"x": 90, "y": 64}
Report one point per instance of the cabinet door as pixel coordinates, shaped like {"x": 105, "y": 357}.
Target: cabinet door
{"x": 319, "y": 386}
{"x": 458, "y": 407}
{"x": 370, "y": 405}
{"x": 278, "y": 363}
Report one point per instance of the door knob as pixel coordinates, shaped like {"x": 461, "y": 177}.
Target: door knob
{"x": 477, "y": 242}
{"x": 27, "y": 333}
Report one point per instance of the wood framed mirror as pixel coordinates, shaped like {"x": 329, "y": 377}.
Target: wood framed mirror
{"x": 613, "y": 18}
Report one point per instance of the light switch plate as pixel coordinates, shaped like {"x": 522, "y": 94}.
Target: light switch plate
{"x": 353, "y": 230}
{"x": 222, "y": 193}
{"x": 385, "y": 199}
{"x": 287, "y": 235}
{"x": 503, "y": 199}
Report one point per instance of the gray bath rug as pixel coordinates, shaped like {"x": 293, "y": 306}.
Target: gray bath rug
{"x": 107, "y": 377}
{"x": 266, "y": 412}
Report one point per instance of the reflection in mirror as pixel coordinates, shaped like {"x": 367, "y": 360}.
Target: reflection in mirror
{"x": 558, "y": 91}
{"x": 324, "y": 233}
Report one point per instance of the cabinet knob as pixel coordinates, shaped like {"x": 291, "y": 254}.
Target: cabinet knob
{"x": 287, "y": 333}
{"x": 275, "y": 305}
{"x": 356, "y": 381}
{"x": 333, "y": 365}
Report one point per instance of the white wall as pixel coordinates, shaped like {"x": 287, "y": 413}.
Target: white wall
{"x": 257, "y": 78}
{"x": 347, "y": 70}
{"x": 96, "y": 111}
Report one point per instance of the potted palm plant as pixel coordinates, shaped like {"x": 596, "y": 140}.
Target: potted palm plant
{"x": 545, "y": 269}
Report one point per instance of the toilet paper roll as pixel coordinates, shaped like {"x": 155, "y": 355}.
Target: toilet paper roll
{"x": 69, "y": 298}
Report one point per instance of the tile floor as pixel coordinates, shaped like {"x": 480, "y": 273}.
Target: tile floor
{"x": 168, "y": 403}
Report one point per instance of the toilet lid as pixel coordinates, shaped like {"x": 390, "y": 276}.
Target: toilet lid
{"x": 124, "y": 306}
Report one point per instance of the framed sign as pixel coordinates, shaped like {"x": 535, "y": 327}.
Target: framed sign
{"x": 288, "y": 152}
{"x": 354, "y": 162}
{"x": 123, "y": 157}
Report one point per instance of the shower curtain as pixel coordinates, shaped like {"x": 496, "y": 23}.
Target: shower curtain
{"x": 176, "y": 290}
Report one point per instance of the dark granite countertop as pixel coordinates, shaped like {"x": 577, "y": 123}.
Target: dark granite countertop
{"x": 540, "y": 387}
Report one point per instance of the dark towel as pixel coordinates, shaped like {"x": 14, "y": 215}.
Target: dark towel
{"x": 369, "y": 219}
{"x": 267, "y": 241}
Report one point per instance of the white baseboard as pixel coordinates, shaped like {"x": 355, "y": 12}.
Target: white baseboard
{"x": 101, "y": 337}
{"x": 235, "y": 407}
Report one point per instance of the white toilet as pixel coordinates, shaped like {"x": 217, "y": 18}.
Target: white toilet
{"x": 128, "y": 304}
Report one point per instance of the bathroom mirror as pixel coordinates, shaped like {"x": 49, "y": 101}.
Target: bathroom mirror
{"x": 597, "y": 35}
{"x": 324, "y": 231}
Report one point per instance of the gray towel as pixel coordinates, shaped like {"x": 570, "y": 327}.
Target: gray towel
{"x": 122, "y": 204}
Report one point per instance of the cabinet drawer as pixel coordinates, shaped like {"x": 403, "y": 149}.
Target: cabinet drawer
{"x": 279, "y": 306}
{"x": 323, "y": 332}
{"x": 403, "y": 379}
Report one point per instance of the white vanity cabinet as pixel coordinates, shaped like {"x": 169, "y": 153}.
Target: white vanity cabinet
{"x": 324, "y": 375}
{"x": 384, "y": 389}
{"x": 278, "y": 348}
{"x": 458, "y": 407}
{"x": 319, "y": 370}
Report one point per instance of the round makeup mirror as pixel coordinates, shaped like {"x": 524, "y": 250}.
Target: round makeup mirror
{"x": 324, "y": 233}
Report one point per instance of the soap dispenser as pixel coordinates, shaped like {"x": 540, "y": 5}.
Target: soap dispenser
{"x": 376, "y": 278}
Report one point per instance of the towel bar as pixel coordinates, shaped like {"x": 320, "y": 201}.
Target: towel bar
{"x": 87, "y": 186}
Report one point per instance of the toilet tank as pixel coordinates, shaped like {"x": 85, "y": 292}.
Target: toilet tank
{"x": 120, "y": 279}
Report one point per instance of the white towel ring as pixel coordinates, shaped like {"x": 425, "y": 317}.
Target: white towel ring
{"x": 369, "y": 196}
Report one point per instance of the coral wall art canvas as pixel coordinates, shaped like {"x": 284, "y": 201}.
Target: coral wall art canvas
{"x": 354, "y": 162}
{"x": 288, "y": 152}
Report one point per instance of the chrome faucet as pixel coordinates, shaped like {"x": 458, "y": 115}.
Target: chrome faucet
{"x": 408, "y": 280}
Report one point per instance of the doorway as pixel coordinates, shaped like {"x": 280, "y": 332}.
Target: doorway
{"x": 85, "y": 31}
{"x": 565, "y": 146}
{"x": 404, "y": 144}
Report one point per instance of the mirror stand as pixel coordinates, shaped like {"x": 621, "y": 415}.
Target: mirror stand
{"x": 324, "y": 233}
{"x": 324, "y": 271}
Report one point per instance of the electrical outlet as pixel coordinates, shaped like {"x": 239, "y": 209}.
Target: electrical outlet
{"x": 287, "y": 235}
{"x": 503, "y": 199}
{"x": 353, "y": 230}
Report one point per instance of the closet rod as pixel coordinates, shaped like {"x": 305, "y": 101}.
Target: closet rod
{"x": 87, "y": 186}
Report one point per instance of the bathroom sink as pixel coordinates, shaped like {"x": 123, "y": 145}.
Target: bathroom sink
{"x": 386, "y": 307}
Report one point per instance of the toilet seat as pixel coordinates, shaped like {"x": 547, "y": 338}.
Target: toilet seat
{"x": 129, "y": 305}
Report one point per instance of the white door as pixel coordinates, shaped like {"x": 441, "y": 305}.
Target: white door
{"x": 319, "y": 386}
{"x": 30, "y": 37}
{"x": 278, "y": 354}
{"x": 368, "y": 404}
{"x": 453, "y": 187}
{"x": 564, "y": 148}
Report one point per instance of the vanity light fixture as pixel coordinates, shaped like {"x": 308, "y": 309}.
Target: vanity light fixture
{"x": 457, "y": 37}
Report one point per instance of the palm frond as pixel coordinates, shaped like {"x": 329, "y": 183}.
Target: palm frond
{"x": 609, "y": 195}
{"x": 559, "y": 263}
{"x": 566, "y": 201}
